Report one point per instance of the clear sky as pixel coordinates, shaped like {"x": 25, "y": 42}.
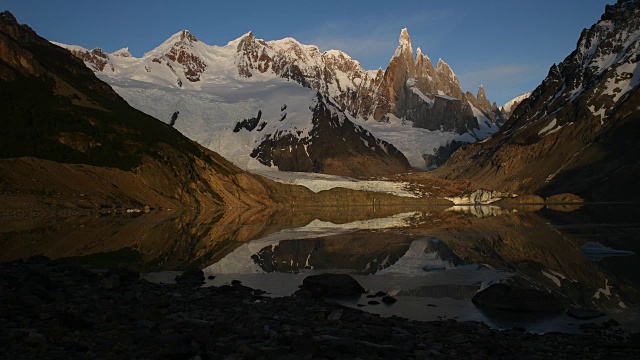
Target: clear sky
{"x": 506, "y": 45}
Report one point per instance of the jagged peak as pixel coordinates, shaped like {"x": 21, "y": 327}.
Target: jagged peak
{"x": 99, "y": 52}
{"x": 336, "y": 53}
{"x": 481, "y": 92}
{"x": 445, "y": 70}
{"x": 180, "y": 36}
{"x": 443, "y": 66}
{"x": 186, "y": 35}
{"x": 518, "y": 99}
{"x": 470, "y": 95}
{"x": 405, "y": 40}
{"x": 71, "y": 47}
{"x": 79, "y": 49}
{"x": 288, "y": 42}
{"x": 182, "y": 39}
{"x": 405, "y": 44}
{"x": 290, "y": 39}
{"x": 124, "y": 52}
{"x": 420, "y": 54}
{"x": 8, "y": 17}
{"x": 249, "y": 36}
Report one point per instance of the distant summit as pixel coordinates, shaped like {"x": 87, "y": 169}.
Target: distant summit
{"x": 124, "y": 52}
{"x": 512, "y": 104}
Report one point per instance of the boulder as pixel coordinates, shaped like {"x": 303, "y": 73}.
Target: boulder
{"x": 191, "y": 277}
{"x": 506, "y": 297}
{"x": 389, "y": 300}
{"x": 39, "y": 259}
{"x": 327, "y": 285}
{"x": 124, "y": 274}
{"x": 584, "y": 314}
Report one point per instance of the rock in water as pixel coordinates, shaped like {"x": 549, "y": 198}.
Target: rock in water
{"x": 124, "y": 274}
{"x": 191, "y": 277}
{"x": 584, "y": 314}
{"x": 389, "y": 299}
{"x": 326, "y": 285}
{"x": 506, "y": 297}
{"x": 38, "y": 259}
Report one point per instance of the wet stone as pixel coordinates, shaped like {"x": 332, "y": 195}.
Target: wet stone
{"x": 176, "y": 321}
{"x": 191, "y": 277}
{"x": 584, "y": 314}
{"x": 123, "y": 274}
{"x": 389, "y": 300}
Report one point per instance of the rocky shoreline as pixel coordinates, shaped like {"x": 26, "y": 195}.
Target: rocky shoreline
{"x": 55, "y": 311}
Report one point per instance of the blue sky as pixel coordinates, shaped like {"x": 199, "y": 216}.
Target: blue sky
{"x": 506, "y": 45}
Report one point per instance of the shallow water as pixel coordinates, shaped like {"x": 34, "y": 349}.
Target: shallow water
{"x": 432, "y": 258}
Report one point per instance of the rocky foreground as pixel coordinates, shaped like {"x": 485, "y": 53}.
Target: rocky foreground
{"x": 54, "y": 311}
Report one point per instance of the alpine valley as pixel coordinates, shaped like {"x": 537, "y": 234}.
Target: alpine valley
{"x": 447, "y": 226}
{"x": 70, "y": 143}
{"x": 280, "y": 106}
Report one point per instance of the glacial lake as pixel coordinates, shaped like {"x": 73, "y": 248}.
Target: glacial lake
{"x": 433, "y": 259}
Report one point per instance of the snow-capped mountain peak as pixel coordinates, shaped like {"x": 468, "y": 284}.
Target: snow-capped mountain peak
{"x": 182, "y": 36}
{"x": 183, "y": 55}
{"x": 510, "y": 105}
{"x": 96, "y": 59}
{"x": 124, "y": 52}
{"x": 72, "y": 48}
{"x": 235, "y": 42}
{"x": 248, "y": 66}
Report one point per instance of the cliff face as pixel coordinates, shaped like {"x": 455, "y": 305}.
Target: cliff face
{"x": 335, "y": 145}
{"x": 577, "y": 131}
{"x": 412, "y": 89}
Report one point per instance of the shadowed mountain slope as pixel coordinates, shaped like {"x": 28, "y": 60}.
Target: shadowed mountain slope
{"x": 578, "y": 131}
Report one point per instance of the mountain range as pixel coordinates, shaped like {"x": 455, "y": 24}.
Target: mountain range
{"x": 69, "y": 142}
{"x": 294, "y": 108}
{"x": 280, "y": 104}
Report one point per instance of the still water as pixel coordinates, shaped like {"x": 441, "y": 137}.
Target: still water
{"x": 433, "y": 259}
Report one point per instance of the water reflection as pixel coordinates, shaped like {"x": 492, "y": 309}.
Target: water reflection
{"x": 433, "y": 258}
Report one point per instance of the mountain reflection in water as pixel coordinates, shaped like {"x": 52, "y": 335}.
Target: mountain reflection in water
{"x": 440, "y": 255}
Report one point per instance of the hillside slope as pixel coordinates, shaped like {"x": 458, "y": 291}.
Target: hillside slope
{"x": 578, "y": 131}
{"x": 58, "y": 113}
